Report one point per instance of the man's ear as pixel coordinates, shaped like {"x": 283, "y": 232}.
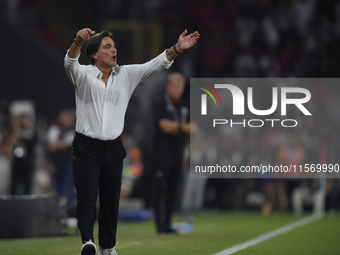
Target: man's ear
{"x": 95, "y": 56}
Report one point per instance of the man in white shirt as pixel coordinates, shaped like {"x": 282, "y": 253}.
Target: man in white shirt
{"x": 103, "y": 90}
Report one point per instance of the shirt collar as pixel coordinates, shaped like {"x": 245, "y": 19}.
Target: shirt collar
{"x": 99, "y": 74}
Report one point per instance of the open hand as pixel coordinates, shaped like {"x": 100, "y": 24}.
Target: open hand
{"x": 186, "y": 42}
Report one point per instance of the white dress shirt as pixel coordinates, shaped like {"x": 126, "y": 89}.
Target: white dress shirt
{"x": 101, "y": 110}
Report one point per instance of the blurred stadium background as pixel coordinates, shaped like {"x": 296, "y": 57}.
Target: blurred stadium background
{"x": 245, "y": 38}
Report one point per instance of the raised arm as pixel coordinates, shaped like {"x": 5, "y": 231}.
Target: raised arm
{"x": 183, "y": 43}
{"x": 81, "y": 37}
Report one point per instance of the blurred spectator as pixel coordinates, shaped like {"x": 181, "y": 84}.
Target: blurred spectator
{"x": 308, "y": 194}
{"x": 132, "y": 170}
{"x": 22, "y": 141}
{"x": 59, "y": 144}
{"x": 172, "y": 129}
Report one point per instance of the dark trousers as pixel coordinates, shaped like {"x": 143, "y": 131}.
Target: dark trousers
{"x": 167, "y": 177}
{"x": 97, "y": 166}
{"x": 65, "y": 183}
{"x": 21, "y": 179}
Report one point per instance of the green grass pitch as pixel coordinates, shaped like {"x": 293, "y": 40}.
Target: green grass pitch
{"x": 213, "y": 232}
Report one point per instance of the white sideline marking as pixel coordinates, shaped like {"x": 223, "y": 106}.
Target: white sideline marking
{"x": 271, "y": 234}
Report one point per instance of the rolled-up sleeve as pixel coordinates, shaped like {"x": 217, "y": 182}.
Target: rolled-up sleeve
{"x": 74, "y": 70}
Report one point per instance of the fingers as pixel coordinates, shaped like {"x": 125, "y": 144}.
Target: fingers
{"x": 84, "y": 35}
{"x": 195, "y": 34}
{"x": 193, "y": 37}
{"x": 89, "y": 30}
{"x": 186, "y": 42}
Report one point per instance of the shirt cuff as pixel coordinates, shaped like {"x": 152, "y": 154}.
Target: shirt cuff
{"x": 71, "y": 59}
{"x": 167, "y": 63}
